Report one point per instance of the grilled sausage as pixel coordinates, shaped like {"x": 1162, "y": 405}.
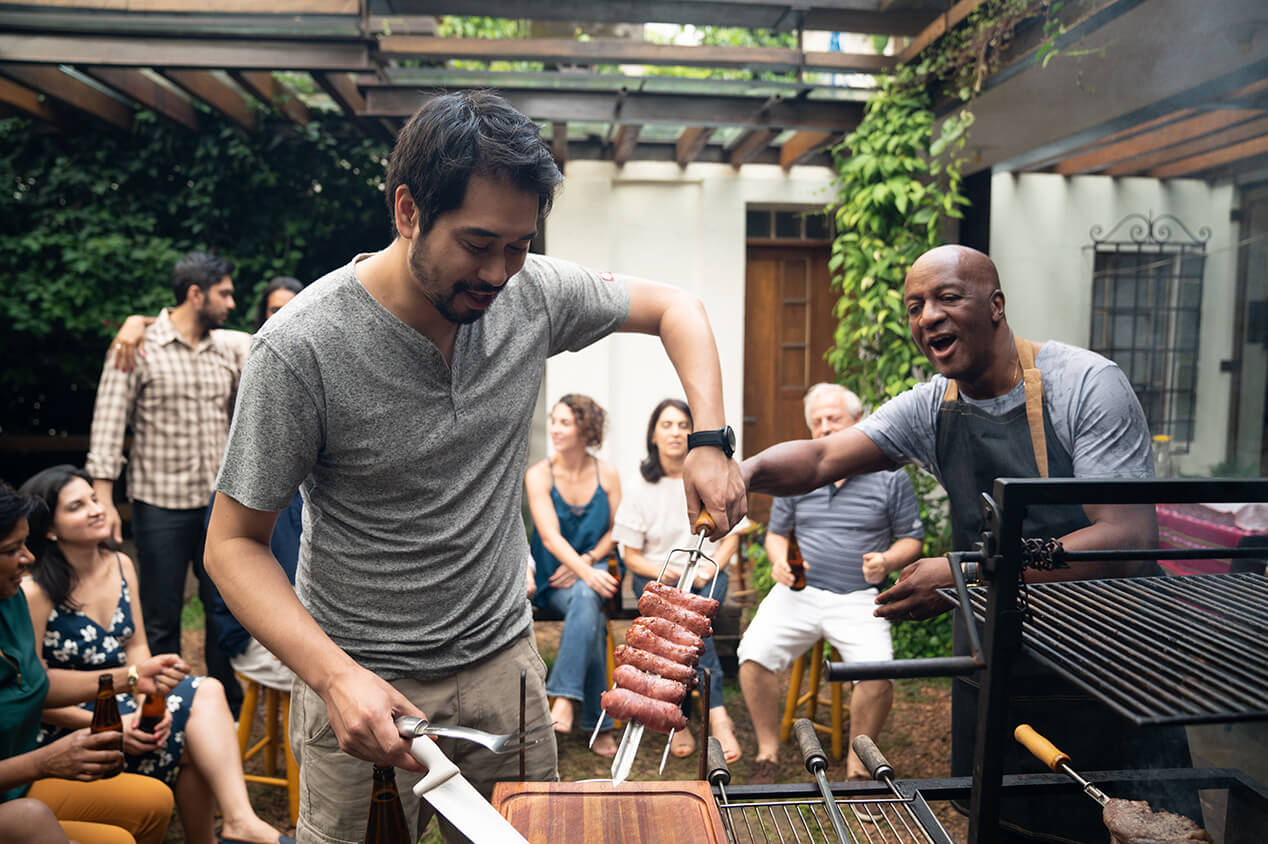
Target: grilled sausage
{"x": 667, "y": 629}
{"x": 654, "y": 606}
{"x": 657, "y": 688}
{"x": 654, "y": 664}
{"x": 646, "y": 640}
{"x": 657, "y": 715}
{"x": 696, "y": 603}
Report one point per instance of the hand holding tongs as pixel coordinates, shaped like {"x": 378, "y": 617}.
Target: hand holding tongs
{"x": 410, "y": 727}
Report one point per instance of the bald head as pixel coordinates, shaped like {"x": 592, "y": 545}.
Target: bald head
{"x": 960, "y": 262}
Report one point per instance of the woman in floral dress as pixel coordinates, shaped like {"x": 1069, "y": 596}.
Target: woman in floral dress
{"x": 85, "y": 610}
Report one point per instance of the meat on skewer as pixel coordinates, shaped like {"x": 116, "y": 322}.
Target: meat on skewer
{"x": 707, "y": 607}
{"x": 653, "y": 664}
{"x": 654, "y": 606}
{"x": 657, "y": 688}
{"x": 667, "y": 629}
{"x": 646, "y": 640}
{"x": 657, "y": 715}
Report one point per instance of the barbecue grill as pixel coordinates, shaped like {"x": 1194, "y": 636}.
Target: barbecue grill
{"x": 1158, "y": 651}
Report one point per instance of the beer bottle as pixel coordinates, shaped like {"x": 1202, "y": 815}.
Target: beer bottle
{"x": 795, "y": 563}
{"x": 387, "y": 819}
{"x": 105, "y": 715}
{"x": 614, "y": 569}
{"x": 152, "y": 710}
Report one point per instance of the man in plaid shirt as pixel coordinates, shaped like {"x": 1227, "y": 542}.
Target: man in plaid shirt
{"x": 178, "y": 400}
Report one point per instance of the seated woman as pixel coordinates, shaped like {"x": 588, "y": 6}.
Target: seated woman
{"x": 85, "y": 611}
{"x": 651, "y": 522}
{"x": 572, "y": 496}
{"x": 68, "y": 776}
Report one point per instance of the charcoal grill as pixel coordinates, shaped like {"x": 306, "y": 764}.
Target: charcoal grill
{"x": 1180, "y": 651}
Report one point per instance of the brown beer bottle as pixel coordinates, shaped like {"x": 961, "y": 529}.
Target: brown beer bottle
{"x": 152, "y": 710}
{"x": 105, "y": 715}
{"x": 614, "y": 569}
{"x": 387, "y": 819}
{"x": 795, "y": 563}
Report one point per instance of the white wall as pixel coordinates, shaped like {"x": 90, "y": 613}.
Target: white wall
{"x": 1040, "y": 226}
{"x": 682, "y": 227}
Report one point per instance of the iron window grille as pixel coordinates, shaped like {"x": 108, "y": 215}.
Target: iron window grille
{"x": 1147, "y": 311}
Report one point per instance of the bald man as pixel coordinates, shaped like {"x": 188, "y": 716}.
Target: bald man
{"x": 967, "y": 426}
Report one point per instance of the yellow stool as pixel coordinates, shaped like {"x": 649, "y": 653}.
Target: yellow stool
{"x": 275, "y": 703}
{"x": 840, "y": 712}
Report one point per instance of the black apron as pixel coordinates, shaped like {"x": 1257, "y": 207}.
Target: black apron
{"x": 973, "y": 449}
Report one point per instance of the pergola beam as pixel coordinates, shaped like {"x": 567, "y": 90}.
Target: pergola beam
{"x": 749, "y": 145}
{"x": 618, "y": 51}
{"x": 71, "y": 91}
{"x": 265, "y": 88}
{"x": 340, "y": 88}
{"x": 194, "y": 53}
{"x": 643, "y": 108}
{"x": 1174, "y": 133}
{"x": 1196, "y": 164}
{"x": 623, "y": 144}
{"x": 147, "y": 92}
{"x": 1209, "y": 143}
{"x": 559, "y": 144}
{"x": 30, "y": 102}
{"x": 690, "y": 142}
{"x": 202, "y": 85}
{"x": 800, "y": 147}
{"x": 938, "y": 27}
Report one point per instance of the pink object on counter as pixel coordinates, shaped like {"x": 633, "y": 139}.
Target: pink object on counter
{"x": 1197, "y": 526}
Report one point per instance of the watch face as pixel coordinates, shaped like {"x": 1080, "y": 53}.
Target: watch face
{"x": 729, "y": 433}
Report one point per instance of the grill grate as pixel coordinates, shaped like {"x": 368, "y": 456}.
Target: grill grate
{"x": 1157, "y": 650}
{"x": 868, "y": 820}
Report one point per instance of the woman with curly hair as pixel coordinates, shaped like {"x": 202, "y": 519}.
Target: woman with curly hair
{"x": 86, "y": 613}
{"x": 573, "y": 496}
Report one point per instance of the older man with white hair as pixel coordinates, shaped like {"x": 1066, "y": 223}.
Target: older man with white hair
{"x": 852, "y": 533}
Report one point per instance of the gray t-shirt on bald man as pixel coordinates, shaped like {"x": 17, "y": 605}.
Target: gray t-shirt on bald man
{"x": 413, "y": 552}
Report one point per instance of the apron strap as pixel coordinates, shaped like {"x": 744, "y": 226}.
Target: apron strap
{"x": 1034, "y": 401}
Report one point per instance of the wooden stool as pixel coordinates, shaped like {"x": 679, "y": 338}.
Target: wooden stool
{"x": 275, "y": 703}
{"x": 840, "y": 712}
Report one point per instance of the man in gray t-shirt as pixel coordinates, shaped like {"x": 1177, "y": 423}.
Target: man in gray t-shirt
{"x": 397, "y": 392}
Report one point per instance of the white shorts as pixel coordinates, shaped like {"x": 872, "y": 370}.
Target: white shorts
{"x": 258, "y": 663}
{"x": 788, "y": 624}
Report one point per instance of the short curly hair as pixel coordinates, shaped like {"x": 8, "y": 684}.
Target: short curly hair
{"x": 589, "y": 418}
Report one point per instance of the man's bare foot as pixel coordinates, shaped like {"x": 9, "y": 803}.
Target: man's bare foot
{"x": 721, "y": 726}
{"x": 561, "y": 714}
{"x": 683, "y": 744}
{"x": 605, "y": 744}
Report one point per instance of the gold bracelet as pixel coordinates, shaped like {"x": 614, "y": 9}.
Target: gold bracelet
{"x": 134, "y": 677}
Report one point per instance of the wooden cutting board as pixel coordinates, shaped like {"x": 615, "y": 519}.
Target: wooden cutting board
{"x": 597, "y": 813}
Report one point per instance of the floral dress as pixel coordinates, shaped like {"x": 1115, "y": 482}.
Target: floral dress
{"x": 73, "y": 640}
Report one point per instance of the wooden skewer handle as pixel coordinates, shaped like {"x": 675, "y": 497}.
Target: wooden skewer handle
{"x": 704, "y": 523}
{"x": 1043, "y": 750}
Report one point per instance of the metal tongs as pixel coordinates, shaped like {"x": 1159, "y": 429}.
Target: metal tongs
{"x": 623, "y": 762}
{"x": 411, "y": 728}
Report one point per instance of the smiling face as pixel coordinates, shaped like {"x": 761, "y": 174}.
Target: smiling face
{"x": 670, "y": 434}
{"x": 79, "y": 518}
{"x": 15, "y": 559}
{"x": 954, "y": 312}
{"x": 826, "y": 414}
{"x": 564, "y": 434}
{"x": 469, "y": 254}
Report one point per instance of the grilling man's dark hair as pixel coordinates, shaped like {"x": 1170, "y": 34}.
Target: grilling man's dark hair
{"x": 456, "y": 136}
{"x": 201, "y": 269}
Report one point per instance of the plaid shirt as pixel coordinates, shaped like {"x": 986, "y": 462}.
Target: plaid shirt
{"x": 178, "y": 401}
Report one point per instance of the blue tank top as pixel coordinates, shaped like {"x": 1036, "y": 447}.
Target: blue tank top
{"x": 581, "y": 527}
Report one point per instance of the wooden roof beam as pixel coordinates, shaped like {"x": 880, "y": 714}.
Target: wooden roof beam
{"x": 1196, "y": 164}
{"x": 71, "y": 91}
{"x": 341, "y": 89}
{"x": 616, "y": 51}
{"x": 1208, "y": 143}
{"x": 749, "y": 145}
{"x": 624, "y": 143}
{"x": 202, "y": 85}
{"x": 559, "y": 144}
{"x": 147, "y": 92}
{"x": 265, "y": 88}
{"x": 1175, "y": 133}
{"x": 937, "y": 28}
{"x": 689, "y": 144}
{"x": 30, "y": 102}
{"x": 801, "y": 146}
{"x": 145, "y": 51}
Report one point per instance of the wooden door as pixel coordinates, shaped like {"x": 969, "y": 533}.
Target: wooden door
{"x": 788, "y": 326}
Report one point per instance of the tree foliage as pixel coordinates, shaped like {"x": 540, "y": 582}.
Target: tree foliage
{"x": 92, "y": 222}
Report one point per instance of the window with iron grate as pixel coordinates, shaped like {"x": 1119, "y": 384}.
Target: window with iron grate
{"x": 766, "y": 224}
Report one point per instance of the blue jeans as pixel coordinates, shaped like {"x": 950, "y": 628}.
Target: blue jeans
{"x": 709, "y": 659}
{"x": 580, "y": 670}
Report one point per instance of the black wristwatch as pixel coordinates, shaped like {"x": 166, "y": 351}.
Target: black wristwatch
{"x": 723, "y": 438}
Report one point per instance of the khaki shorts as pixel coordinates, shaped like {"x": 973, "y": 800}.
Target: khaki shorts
{"x": 334, "y": 788}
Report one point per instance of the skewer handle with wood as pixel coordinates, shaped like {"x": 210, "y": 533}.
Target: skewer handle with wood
{"x": 1056, "y": 760}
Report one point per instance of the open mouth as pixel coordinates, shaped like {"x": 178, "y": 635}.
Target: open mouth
{"x": 941, "y": 344}
{"x": 480, "y": 301}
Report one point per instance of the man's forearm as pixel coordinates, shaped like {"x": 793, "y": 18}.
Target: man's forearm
{"x": 689, "y": 343}
{"x": 1114, "y": 527}
{"x": 903, "y": 553}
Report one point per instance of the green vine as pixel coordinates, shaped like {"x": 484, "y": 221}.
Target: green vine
{"x": 900, "y": 184}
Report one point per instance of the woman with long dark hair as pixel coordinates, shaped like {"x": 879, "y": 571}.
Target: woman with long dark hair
{"x": 70, "y": 776}
{"x": 650, "y": 523}
{"x": 86, "y": 613}
{"x": 572, "y": 496}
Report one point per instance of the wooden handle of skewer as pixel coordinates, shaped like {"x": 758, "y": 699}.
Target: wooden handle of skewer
{"x": 1043, "y": 750}
{"x": 704, "y": 523}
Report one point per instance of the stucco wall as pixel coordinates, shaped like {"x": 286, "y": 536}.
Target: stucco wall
{"x": 1039, "y": 233}
{"x": 682, "y": 227}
